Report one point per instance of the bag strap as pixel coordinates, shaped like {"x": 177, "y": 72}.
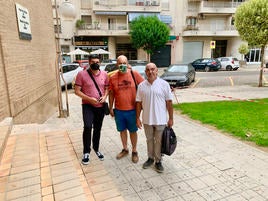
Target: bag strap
{"x": 96, "y": 85}
{"x": 134, "y": 79}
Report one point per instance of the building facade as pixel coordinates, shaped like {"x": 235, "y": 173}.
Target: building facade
{"x": 194, "y": 26}
{"x": 27, "y": 61}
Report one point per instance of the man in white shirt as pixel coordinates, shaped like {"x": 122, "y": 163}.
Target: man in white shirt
{"x": 154, "y": 97}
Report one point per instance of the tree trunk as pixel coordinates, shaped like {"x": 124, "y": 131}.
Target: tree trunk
{"x": 262, "y": 63}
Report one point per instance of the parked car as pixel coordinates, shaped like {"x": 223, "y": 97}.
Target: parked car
{"x": 110, "y": 67}
{"x": 69, "y": 71}
{"x": 229, "y": 63}
{"x": 179, "y": 75}
{"x": 140, "y": 69}
{"x": 137, "y": 62}
{"x": 206, "y": 64}
{"x": 83, "y": 63}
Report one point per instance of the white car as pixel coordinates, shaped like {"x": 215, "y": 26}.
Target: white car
{"x": 69, "y": 73}
{"x": 229, "y": 63}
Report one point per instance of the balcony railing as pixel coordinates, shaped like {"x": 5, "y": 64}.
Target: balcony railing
{"x": 127, "y": 5}
{"x": 102, "y": 26}
{"x": 218, "y": 7}
{"x": 220, "y": 4}
{"x": 210, "y": 30}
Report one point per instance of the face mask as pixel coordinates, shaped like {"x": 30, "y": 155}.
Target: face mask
{"x": 95, "y": 66}
{"x": 123, "y": 68}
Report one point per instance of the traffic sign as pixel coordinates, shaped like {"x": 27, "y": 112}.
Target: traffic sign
{"x": 212, "y": 44}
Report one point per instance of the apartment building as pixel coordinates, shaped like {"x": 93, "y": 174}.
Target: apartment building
{"x": 198, "y": 28}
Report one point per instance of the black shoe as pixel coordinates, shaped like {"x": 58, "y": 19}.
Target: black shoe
{"x": 100, "y": 156}
{"x": 85, "y": 159}
{"x": 158, "y": 167}
{"x": 148, "y": 163}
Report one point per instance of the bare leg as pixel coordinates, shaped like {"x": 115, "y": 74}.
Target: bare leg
{"x": 134, "y": 139}
{"x": 123, "y": 135}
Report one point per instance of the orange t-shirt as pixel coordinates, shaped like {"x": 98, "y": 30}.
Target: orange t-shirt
{"x": 124, "y": 89}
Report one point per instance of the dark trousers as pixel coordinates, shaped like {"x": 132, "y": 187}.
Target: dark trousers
{"x": 93, "y": 118}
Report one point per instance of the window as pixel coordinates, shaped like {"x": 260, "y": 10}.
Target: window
{"x": 165, "y": 4}
{"x": 191, "y": 21}
{"x": 254, "y": 55}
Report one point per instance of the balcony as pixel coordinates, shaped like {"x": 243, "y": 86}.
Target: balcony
{"x": 126, "y": 6}
{"x": 210, "y": 30}
{"x": 218, "y": 7}
{"x": 101, "y": 29}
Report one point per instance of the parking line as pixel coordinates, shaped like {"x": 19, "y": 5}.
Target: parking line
{"x": 231, "y": 80}
{"x": 196, "y": 82}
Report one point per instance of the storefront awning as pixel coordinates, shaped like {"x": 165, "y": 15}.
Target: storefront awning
{"x": 132, "y": 16}
{"x": 110, "y": 13}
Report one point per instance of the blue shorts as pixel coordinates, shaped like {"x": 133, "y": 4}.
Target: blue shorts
{"x": 125, "y": 119}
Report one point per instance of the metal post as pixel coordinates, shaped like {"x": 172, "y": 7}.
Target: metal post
{"x": 62, "y": 113}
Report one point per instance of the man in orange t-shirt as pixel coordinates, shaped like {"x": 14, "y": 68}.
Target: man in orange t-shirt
{"x": 122, "y": 95}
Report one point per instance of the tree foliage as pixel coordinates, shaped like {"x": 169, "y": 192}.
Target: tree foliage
{"x": 243, "y": 49}
{"x": 251, "y": 22}
{"x": 148, "y": 33}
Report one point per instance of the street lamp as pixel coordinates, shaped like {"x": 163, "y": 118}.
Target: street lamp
{"x": 67, "y": 10}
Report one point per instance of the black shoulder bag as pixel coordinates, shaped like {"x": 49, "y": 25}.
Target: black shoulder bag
{"x": 105, "y": 104}
{"x": 132, "y": 74}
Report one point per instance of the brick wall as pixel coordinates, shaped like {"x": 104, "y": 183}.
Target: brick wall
{"x": 27, "y": 67}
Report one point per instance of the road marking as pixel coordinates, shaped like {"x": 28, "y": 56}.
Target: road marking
{"x": 231, "y": 80}
{"x": 196, "y": 82}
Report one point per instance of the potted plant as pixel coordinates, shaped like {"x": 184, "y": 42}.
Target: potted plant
{"x": 80, "y": 23}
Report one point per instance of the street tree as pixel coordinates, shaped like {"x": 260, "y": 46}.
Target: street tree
{"x": 148, "y": 33}
{"x": 252, "y": 25}
{"x": 243, "y": 49}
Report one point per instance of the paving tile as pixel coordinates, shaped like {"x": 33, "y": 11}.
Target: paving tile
{"x": 102, "y": 187}
{"x": 196, "y": 184}
{"x": 64, "y": 178}
{"x": 66, "y": 185}
{"x": 34, "y": 197}
{"x": 69, "y": 193}
{"x": 165, "y": 192}
{"x": 23, "y": 192}
{"x": 132, "y": 197}
{"x": 149, "y": 195}
{"x": 23, "y": 183}
{"x": 47, "y": 191}
{"x": 109, "y": 194}
{"x": 99, "y": 180}
{"x": 48, "y": 198}
{"x": 193, "y": 196}
{"x": 182, "y": 188}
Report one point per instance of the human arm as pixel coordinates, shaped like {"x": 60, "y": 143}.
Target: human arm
{"x": 138, "y": 112}
{"x": 170, "y": 113}
{"x": 111, "y": 102}
{"x": 79, "y": 93}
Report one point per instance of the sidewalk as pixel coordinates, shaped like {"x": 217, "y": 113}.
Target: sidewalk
{"x": 42, "y": 162}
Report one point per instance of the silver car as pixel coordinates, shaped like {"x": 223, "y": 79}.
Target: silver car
{"x": 70, "y": 71}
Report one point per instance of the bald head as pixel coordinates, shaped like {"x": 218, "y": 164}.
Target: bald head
{"x": 122, "y": 59}
{"x": 151, "y": 71}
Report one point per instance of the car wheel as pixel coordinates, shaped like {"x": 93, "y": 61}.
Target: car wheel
{"x": 193, "y": 79}
{"x": 229, "y": 68}
{"x": 207, "y": 69}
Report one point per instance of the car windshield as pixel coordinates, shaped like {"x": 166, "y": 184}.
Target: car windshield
{"x": 178, "y": 69}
